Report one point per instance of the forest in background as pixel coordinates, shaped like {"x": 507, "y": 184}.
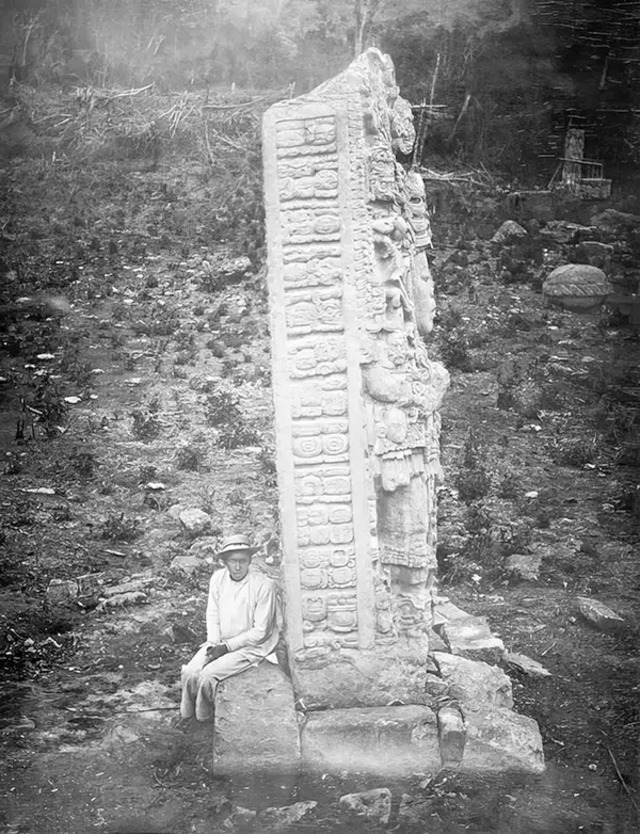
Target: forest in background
{"x": 505, "y": 73}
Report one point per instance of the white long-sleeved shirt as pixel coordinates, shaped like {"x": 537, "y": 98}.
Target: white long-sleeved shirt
{"x": 243, "y": 615}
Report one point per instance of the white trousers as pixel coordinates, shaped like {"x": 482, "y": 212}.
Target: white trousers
{"x": 199, "y": 682}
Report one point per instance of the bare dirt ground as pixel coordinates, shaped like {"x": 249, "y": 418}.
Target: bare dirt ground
{"x": 136, "y": 383}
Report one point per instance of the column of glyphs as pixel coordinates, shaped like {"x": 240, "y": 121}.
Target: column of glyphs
{"x": 356, "y": 393}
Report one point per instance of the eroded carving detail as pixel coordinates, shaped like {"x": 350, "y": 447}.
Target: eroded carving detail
{"x": 356, "y": 392}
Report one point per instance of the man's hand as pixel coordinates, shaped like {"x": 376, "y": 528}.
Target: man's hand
{"x": 214, "y": 652}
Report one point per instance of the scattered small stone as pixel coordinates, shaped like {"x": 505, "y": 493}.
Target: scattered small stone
{"x": 373, "y": 805}
{"x": 132, "y": 584}
{"x": 119, "y": 600}
{"x": 188, "y": 563}
{"x": 526, "y": 664}
{"x": 180, "y": 633}
{"x": 61, "y": 591}
{"x": 206, "y": 547}
{"x": 89, "y": 587}
{"x": 241, "y": 817}
{"x": 525, "y": 565}
{"x": 287, "y": 814}
{"x": 195, "y": 522}
{"x": 600, "y": 615}
{"x": 509, "y": 231}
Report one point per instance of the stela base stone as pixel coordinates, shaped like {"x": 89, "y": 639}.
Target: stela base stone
{"x": 256, "y": 724}
{"x": 385, "y": 741}
{"x": 258, "y": 731}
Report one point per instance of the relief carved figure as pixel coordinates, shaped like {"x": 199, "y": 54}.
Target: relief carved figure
{"x": 402, "y": 386}
{"x": 356, "y": 392}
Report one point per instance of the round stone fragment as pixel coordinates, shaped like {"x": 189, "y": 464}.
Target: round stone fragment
{"x": 577, "y": 287}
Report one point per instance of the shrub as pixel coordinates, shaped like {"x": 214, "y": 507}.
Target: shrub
{"x": 190, "y": 458}
{"x": 454, "y": 349}
{"x": 146, "y": 425}
{"x": 120, "y": 528}
{"x": 224, "y": 411}
{"x": 473, "y": 481}
{"x": 575, "y": 452}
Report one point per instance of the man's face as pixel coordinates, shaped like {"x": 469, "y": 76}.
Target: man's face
{"x": 237, "y": 563}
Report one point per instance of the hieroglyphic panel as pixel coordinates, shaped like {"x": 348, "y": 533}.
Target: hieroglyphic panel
{"x": 309, "y": 274}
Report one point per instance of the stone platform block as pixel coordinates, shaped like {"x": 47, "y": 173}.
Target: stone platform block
{"x": 499, "y": 740}
{"x": 472, "y": 638}
{"x": 256, "y": 724}
{"x": 385, "y": 741}
{"x": 472, "y": 682}
{"x": 368, "y": 680}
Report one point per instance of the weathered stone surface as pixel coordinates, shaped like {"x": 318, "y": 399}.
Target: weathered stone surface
{"x": 452, "y": 735}
{"x": 61, "y": 591}
{"x": 509, "y": 232}
{"x": 525, "y": 565}
{"x": 187, "y": 563}
{"x": 576, "y": 286}
{"x": 372, "y": 805}
{"x": 436, "y": 643}
{"x": 361, "y": 683}
{"x": 501, "y": 740}
{"x": 594, "y": 253}
{"x": 472, "y": 638}
{"x": 600, "y": 615}
{"x": 526, "y": 664}
{"x": 120, "y": 600}
{"x": 195, "y": 522}
{"x": 388, "y": 741}
{"x": 475, "y": 683}
{"x": 444, "y": 611}
{"x": 285, "y": 815}
{"x": 256, "y": 727}
{"x": 356, "y": 393}
{"x": 242, "y": 817}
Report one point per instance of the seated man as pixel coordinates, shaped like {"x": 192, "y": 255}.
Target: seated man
{"x": 242, "y": 628}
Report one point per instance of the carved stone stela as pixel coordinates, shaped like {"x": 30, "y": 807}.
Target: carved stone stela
{"x": 356, "y": 395}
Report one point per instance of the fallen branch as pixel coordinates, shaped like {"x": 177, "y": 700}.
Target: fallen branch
{"x": 622, "y": 779}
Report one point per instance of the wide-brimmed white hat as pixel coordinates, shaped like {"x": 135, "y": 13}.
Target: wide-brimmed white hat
{"x": 237, "y": 541}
